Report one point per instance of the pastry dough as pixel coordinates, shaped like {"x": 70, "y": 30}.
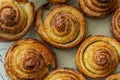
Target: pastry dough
{"x": 115, "y": 24}
{"x": 114, "y": 77}
{"x": 15, "y": 20}
{"x": 98, "y": 56}
{"x": 28, "y": 59}
{"x": 65, "y": 74}
{"x": 58, "y": 1}
{"x": 63, "y": 27}
{"x": 98, "y": 8}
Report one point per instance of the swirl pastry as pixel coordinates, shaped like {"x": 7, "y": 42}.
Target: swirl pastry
{"x": 98, "y": 8}
{"x": 65, "y": 74}
{"x": 115, "y": 24}
{"x": 64, "y": 26}
{"x": 114, "y": 77}
{"x": 28, "y": 59}
{"x": 98, "y": 56}
{"x": 58, "y": 1}
{"x": 15, "y": 20}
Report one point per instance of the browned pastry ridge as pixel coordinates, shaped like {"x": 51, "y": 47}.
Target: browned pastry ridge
{"x": 58, "y": 1}
{"x": 28, "y": 59}
{"x": 98, "y": 56}
{"x": 65, "y": 74}
{"x": 98, "y": 8}
{"x": 15, "y": 20}
{"x": 63, "y": 27}
{"x": 114, "y": 77}
{"x": 115, "y": 24}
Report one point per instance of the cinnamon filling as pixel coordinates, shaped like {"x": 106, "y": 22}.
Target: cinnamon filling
{"x": 8, "y": 16}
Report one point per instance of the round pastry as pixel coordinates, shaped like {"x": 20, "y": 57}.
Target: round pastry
{"x": 58, "y": 1}
{"x": 98, "y": 56}
{"x": 63, "y": 27}
{"x": 28, "y": 59}
{"x": 65, "y": 74}
{"x": 98, "y": 8}
{"x": 114, "y": 77}
{"x": 15, "y": 20}
{"x": 115, "y": 24}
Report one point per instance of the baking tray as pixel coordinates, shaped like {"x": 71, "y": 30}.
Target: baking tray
{"x": 65, "y": 58}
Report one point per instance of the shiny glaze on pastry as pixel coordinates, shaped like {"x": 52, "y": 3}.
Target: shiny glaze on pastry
{"x": 63, "y": 27}
{"x": 115, "y": 24}
{"x": 28, "y": 59}
{"x": 15, "y": 20}
{"x": 98, "y": 56}
{"x": 115, "y": 76}
{"x": 58, "y": 1}
{"x": 98, "y": 8}
{"x": 65, "y": 74}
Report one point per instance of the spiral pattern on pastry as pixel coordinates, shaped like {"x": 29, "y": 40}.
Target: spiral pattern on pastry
{"x": 115, "y": 76}
{"x": 98, "y": 56}
{"x": 115, "y": 24}
{"x": 65, "y": 74}
{"x": 28, "y": 59}
{"x": 98, "y": 8}
{"x": 15, "y": 20}
{"x": 64, "y": 26}
{"x": 58, "y": 1}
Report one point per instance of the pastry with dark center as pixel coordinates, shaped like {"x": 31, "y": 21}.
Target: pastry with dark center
{"x": 98, "y": 56}
{"x": 63, "y": 27}
{"x": 15, "y": 20}
{"x": 29, "y": 59}
{"x": 98, "y": 8}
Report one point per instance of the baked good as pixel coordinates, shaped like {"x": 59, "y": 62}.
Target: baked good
{"x": 115, "y": 24}
{"x": 98, "y": 8}
{"x": 98, "y": 56}
{"x": 63, "y": 27}
{"x": 65, "y": 74}
{"x": 29, "y": 59}
{"x": 58, "y": 1}
{"x": 115, "y": 76}
{"x": 15, "y": 20}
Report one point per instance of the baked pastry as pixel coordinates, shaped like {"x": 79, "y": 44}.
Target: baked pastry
{"x": 98, "y": 56}
{"x": 65, "y": 74}
{"x": 115, "y": 24}
{"x": 98, "y": 8}
{"x": 63, "y": 27}
{"x": 114, "y": 77}
{"x": 15, "y": 20}
{"x": 28, "y": 59}
{"x": 58, "y": 1}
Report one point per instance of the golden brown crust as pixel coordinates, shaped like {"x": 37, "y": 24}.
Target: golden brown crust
{"x": 15, "y": 20}
{"x": 98, "y": 56}
{"x": 64, "y": 26}
{"x": 29, "y": 59}
{"x": 22, "y": 1}
{"x": 115, "y": 76}
{"x": 115, "y": 24}
{"x": 98, "y": 8}
{"x": 65, "y": 74}
{"x": 58, "y": 1}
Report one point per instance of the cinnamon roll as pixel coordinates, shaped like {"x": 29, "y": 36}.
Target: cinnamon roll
{"x": 114, "y": 77}
{"x": 28, "y": 59}
{"x": 98, "y": 8}
{"x": 63, "y": 27}
{"x": 58, "y": 1}
{"x": 115, "y": 24}
{"x": 15, "y": 20}
{"x": 98, "y": 56}
{"x": 65, "y": 74}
